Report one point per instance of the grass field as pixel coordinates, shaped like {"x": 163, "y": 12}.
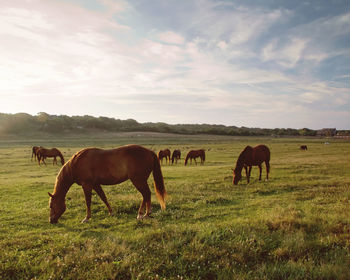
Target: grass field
{"x": 295, "y": 226}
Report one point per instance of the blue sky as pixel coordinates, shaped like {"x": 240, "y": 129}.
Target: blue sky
{"x": 245, "y": 63}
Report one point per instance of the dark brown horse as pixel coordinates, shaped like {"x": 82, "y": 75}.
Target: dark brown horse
{"x": 252, "y": 157}
{"x": 35, "y": 151}
{"x": 193, "y": 154}
{"x": 93, "y": 167}
{"x": 175, "y": 156}
{"x": 303, "y": 147}
{"x": 43, "y": 153}
{"x": 164, "y": 154}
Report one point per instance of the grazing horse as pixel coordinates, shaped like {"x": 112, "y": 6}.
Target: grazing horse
{"x": 251, "y": 157}
{"x": 94, "y": 167}
{"x": 43, "y": 153}
{"x": 303, "y": 147}
{"x": 164, "y": 154}
{"x": 193, "y": 154}
{"x": 35, "y": 151}
{"x": 175, "y": 156}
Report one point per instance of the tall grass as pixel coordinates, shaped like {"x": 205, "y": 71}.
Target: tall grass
{"x": 295, "y": 226}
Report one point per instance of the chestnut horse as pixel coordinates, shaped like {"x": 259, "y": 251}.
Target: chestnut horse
{"x": 303, "y": 147}
{"x": 94, "y": 167}
{"x": 43, "y": 153}
{"x": 252, "y": 157}
{"x": 193, "y": 154}
{"x": 164, "y": 154}
{"x": 35, "y": 151}
{"x": 175, "y": 156}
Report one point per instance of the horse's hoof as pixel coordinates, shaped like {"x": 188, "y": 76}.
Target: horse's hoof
{"x": 85, "y": 221}
{"x": 140, "y": 217}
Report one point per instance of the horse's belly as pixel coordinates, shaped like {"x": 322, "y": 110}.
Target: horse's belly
{"x": 111, "y": 180}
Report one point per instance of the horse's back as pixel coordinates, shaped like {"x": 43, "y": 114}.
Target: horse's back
{"x": 261, "y": 153}
{"x": 112, "y": 166}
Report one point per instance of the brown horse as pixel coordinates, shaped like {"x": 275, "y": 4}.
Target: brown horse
{"x": 252, "y": 157}
{"x": 35, "y": 151}
{"x": 43, "y": 153}
{"x": 175, "y": 156}
{"x": 94, "y": 167}
{"x": 193, "y": 154}
{"x": 303, "y": 147}
{"x": 164, "y": 154}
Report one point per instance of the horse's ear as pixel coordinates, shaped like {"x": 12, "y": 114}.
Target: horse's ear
{"x": 50, "y": 194}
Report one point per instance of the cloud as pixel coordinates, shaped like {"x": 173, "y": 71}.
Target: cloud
{"x": 242, "y": 63}
{"x": 171, "y": 38}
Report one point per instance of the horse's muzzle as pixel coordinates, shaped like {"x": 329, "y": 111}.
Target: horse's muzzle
{"x": 53, "y": 221}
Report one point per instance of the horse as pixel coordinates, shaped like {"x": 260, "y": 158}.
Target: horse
{"x": 93, "y": 167}
{"x": 252, "y": 157}
{"x": 303, "y": 147}
{"x": 164, "y": 154}
{"x": 193, "y": 154}
{"x": 34, "y": 152}
{"x": 43, "y": 153}
{"x": 175, "y": 156}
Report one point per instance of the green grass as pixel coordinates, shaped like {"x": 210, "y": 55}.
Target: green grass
{"x": 295, "y": 226}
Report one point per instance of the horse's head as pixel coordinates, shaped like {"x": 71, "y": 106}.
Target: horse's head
{"x": 57, "y": 208}
{"x": 62, "y": 161}
{"x": 236, "y": 176}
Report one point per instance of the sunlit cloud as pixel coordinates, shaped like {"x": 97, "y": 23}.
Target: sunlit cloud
{"x": 213, "y": 61}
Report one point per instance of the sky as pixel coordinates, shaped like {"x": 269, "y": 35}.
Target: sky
{"x": 262, "y": 63}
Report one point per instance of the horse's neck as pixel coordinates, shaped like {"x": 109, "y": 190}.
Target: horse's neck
{"x": 63, "y": 182}
{"x": 239, "y": 164}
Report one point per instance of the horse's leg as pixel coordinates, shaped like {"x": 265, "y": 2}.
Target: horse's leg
{"x": 246, "y": 173}
{"x": 195, "y": 160}
{"x": 87, "y": 192}
{"x": 249, "y": 172}
{"x": 142, "y": 187}
{"x": 54, "y": 161}
{"x": 267, "y": 169}
{"x": 260, "y": 168}
{"x": 98, "y": 189}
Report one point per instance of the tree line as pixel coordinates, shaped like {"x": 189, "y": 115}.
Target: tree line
{"x": 26, "y": 124}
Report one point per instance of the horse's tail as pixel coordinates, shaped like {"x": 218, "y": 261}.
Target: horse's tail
{"x": 159, "y": 182}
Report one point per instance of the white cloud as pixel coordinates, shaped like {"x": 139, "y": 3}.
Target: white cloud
{"x": 171, "y": 38}
{"x": 289, "y": 54}
{"x": 54, "y": 49}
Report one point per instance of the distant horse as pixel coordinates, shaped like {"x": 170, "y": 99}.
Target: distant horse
{"x": 303, "y": 147}
{"x": 43, "y": 153}
{"x": 34, "y": 152}
{"x": 252, "y": 157}
{"x": 193, "y": 154}
{"x": 175, "y": 156}
{"x": 94, "y": 167}
{"x": 164, "y": 154}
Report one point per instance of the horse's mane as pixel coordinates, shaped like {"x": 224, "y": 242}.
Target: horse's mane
{"x": 64, "y": 178}
{"x": 241, "y": 157}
